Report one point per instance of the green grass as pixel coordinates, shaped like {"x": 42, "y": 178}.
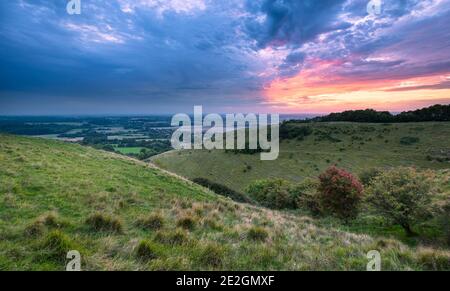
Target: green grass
{"x": 361, "y": 146}
{"x": 129, "y": 150}
{"x": 49, "y": 190}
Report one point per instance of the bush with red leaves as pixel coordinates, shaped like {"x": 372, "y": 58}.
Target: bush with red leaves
{"x": 340, "y": 193}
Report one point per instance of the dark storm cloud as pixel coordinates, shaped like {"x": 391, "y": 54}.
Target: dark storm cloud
{"x": 142, "y": 56}
{"x": 294, "y": 22}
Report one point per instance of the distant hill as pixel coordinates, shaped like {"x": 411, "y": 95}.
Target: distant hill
{"x": 433, "y": 113}
{"x": 307, "y": 149}
{"x": 122, "y": 214}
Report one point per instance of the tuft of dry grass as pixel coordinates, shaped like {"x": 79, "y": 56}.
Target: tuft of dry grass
{"x": 212, "y": 224}
{"x": 42, "y": 223}
{"x": 56, "y": 245}
{"x": 104, "y": 222}
{"x": 154, "y": 221}
{"x": 172, "y": 237}
{"x": 211, "y": 255}
{"x": 434, "y": 260}
{"x": 187, "y": 222}
{"x": 146, "y": 251}
{"x": 257, "y": 233}
{"x": 51, "y": 219}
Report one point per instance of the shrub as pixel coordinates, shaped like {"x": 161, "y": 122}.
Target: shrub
{"x": 257, "y": 233}
{"x": 272, "y": 193}
{"x": 103, "y": 222}
{"x": 368, "y": 175}
{"x": 339, "y": 193}
{"x": 305, "y": 195}
{"x": 403, "y": 195}
{"x": 174, "y": 237}
{"x": 442, "y": 155}
{"x": 146, "y": 250}
{"x": 153, "y": 222}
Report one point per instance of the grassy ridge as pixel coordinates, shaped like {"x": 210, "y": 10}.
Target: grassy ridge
{"x": 124, "y": 215}
{"x": 352, "y": 146}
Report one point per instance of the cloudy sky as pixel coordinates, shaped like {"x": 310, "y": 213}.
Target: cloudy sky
{"x": 165, "y": 56}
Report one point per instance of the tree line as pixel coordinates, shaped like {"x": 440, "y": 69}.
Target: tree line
{"x": 433, "y": 113}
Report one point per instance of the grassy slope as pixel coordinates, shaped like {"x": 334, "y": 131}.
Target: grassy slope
{"x": 38, "y": 177}
{"x": 299, "y": 159}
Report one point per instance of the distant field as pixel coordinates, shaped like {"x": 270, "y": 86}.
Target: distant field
{"x": 129, "y": 150}
{"x": 352, "y": 146}
{"x": 128, "y": 136}
{"x": 130, "y": 133}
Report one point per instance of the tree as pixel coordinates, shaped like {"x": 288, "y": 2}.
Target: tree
{"x": 403, "y": 195}
{"x": 340, "y": 193}
{"x": 433, "y": 113}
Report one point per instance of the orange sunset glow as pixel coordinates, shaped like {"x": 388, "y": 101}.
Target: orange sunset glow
{"x": 316, "y": 89}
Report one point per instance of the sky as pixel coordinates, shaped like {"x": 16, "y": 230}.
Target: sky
{"x": 279, "y": 56}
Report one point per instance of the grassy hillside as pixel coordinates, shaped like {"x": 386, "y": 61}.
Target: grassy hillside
{"x": 352, "y": 146}
{"x": 124, "y": 215}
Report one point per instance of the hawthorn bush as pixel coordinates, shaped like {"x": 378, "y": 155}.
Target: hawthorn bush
{"x": 339, "y": 193}
{"x": 403, "y": 195}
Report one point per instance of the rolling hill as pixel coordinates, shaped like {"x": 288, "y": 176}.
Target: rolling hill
{"x": 122, "y": 214}
{"x": 353, "y": 146}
